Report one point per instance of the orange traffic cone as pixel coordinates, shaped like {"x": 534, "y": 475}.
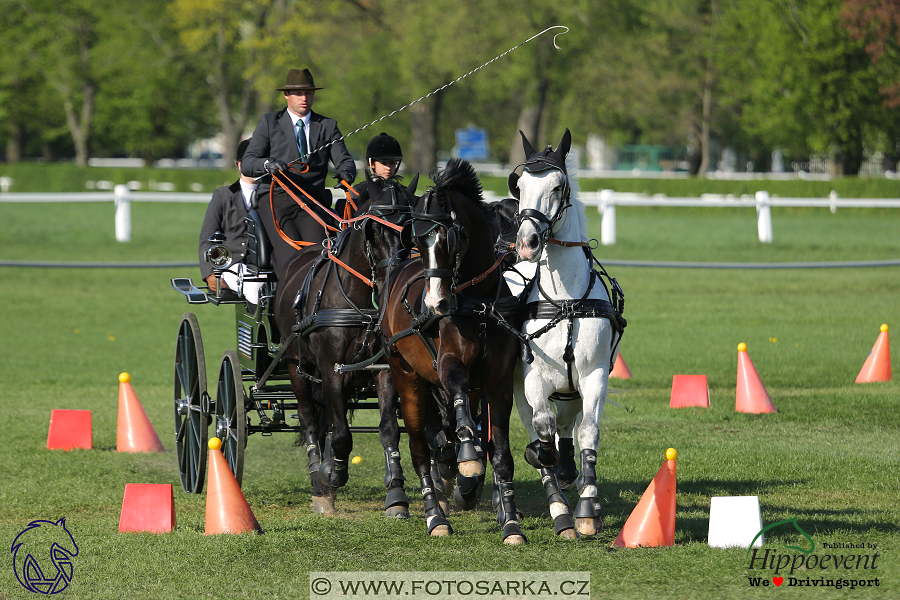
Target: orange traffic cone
{"x": 878, "y": 364}
{"x": 752, "y": 396}
{"x": 227, "y": 511}
{"x": 652, "y": 522}
{"x": 134, "y": 433}
{"x": 620, "y": 369}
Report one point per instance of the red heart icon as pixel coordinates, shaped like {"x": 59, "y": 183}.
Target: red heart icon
{"x": 778, "y": 580}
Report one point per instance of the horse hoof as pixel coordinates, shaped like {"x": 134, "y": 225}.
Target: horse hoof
{"x": 323, "y": 505}
{"x": 445, "y": 506}
{"x": 586, "y": 526}
{"x": 568, "y": 534}
{"x": 441, "y": 531}
{"x": 471, "y": 468}
{"x": 397, "y": 512}
{"x": 514, "y": 540}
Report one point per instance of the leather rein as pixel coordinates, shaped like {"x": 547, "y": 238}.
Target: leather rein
{"x": 343, "y": 222}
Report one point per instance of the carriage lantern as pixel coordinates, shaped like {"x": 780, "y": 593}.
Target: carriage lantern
{"x": 218, "y": 255}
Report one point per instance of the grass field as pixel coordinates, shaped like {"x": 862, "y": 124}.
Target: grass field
{"x": 829, "y": 457}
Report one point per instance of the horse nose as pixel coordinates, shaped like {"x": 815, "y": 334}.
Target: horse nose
{"x": 443, "y": 307}
{"x": 526, "y": 245}
{"x": 440, "y": 306}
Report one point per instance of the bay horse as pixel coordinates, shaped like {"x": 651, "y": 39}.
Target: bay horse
{"x": 571, "y": 329}
{"x": 324, "y": 309}
{"x": 445, "y": 349}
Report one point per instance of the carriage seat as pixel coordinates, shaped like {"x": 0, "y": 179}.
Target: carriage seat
{"x": 259, "y": 249}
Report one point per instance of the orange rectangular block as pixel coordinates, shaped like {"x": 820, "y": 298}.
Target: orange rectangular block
{"x": 148, "y": 507}
{"x": 689, "y": 390}
{"x": 70, "y": 429}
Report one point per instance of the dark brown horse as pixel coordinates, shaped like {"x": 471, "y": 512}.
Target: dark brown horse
{"x": 445, "y": 349}
{"x": 324, "y": 309}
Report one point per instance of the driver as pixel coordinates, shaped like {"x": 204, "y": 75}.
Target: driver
{"x": 293, "y": 133}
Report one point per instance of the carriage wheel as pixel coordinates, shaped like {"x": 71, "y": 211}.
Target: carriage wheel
{"x": 191, "y": 405}
{"x": 231, "y": 413}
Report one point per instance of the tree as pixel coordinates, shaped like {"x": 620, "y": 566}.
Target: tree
{"x": 226, "y": 40}
{"x": 65, "y": 38}
{"x": 876, "y": 23}
{"x": 20, "y": 83}
{"x": 802, "y": 83}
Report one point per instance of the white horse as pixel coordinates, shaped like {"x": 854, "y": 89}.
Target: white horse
{"x": 571, "y": 330}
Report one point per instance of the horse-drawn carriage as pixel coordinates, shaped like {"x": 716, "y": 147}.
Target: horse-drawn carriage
{"x": 448, "y": 329}
{"x": 256, "y": 359}
{"x": 253, "y": 392}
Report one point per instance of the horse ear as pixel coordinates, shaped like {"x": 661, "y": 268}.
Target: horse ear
{"x": 529, "y": 149}
{"x": 406, "y": 236}
{"x": 413, "y": 184}
{"x": 565, "y": 144}
{"x": 513, "y": 183}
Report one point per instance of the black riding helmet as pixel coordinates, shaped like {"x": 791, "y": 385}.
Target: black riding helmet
{"x": 383, "y": 148}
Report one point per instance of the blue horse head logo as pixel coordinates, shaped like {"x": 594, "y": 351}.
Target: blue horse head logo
{"x": 30, "y": 552}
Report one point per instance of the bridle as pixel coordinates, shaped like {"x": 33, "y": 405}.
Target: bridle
{"x": 538, "y": 164}
{"x": 426, "y": 223}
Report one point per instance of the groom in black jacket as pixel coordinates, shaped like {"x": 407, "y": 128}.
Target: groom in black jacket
{"x": 293, "y": 133}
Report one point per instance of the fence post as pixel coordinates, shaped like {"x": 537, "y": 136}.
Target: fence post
{"x": 607, "y": 210}
{"x": 123, "y": 213}
{"x": 763, "y": 217}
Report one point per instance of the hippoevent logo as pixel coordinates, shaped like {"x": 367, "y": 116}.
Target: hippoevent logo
{"x": 42, "y": 556}
{"x": 806, "y": 568}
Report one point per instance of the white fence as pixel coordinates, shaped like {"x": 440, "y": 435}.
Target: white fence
{"x": 605, "y": 201}
{"x": 123, "y": 197}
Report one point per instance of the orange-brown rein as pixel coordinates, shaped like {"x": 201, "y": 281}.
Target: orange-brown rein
{"x": 344, "y": 223}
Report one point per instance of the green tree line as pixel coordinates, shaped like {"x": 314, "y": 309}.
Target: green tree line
{"x": 83, "y": 78}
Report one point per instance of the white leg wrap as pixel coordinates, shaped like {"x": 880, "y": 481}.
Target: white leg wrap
{"x": 558, "y": 508}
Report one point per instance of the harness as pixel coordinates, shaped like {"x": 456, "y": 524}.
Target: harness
{"x": 498, "y": 309}
{"x": 352, "y": 316}
{"x": 567, "y": 310}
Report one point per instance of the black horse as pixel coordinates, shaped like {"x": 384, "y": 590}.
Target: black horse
{"x": 446, "y": 347}
{"x": 324, "y": 308}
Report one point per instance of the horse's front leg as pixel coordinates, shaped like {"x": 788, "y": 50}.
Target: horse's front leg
{"x": 413, "y": 398}
{"x": 322, "y": 495}
{"x": 588, "y": 511}
{"x": 454, "y": 377}
{"x": 396, "y": 502}
{"x": 541, "y": 452}
{"x": 566, "y": 417}
{"x": 500, "y": 401}
{"x": 335, "y": 388}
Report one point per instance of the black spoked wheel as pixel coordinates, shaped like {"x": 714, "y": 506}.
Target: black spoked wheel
{"x": 231, "y": 413}
{"x": 191, "y": 405}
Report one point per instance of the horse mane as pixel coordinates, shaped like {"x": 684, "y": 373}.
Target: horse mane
{"x": 575, "y": 192}
{"x": 458, "y": 176}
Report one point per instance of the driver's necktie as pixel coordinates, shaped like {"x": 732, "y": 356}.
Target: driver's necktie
{"x": 301, "y": 137}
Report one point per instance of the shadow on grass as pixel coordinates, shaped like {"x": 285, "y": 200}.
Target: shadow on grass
{"x": 692, "y": 521}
